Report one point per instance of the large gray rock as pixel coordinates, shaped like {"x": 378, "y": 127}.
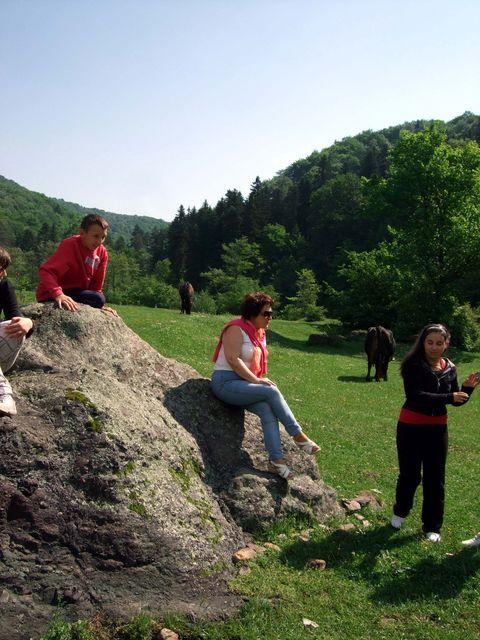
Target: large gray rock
{"x": 125, "y": 486}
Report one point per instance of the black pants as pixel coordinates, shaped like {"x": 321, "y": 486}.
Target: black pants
{"x": 85, "y": 296}
{"x": 422, "y": 446}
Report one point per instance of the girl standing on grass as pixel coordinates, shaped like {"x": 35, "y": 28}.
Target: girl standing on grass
{"x": 430, "y": 382}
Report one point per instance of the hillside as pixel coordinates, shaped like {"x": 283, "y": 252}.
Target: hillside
{"x": 311, "y": 216}
{"x": 23, "y": 212}
{"x": 121, "y": 224}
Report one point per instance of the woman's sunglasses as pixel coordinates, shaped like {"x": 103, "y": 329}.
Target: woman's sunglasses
{"x": 267, "y": 314}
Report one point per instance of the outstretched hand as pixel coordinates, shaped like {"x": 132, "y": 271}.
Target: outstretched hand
{"x": 473, "y": 380}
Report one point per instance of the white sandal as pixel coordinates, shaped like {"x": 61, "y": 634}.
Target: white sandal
{"x": 309, "y": 446}
{"x": 280, "y": 469}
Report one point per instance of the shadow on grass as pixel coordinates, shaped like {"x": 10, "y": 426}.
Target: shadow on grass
{"x": 352, "y": 379}
{"x": 348, "y": 349}
{"x": 367, "y": 556}
{"x": 432, "y": 577}
{"x": 347, "y": 548}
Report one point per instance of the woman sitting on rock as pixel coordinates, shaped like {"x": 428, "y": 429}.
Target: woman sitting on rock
{"x": 239, "y": 379}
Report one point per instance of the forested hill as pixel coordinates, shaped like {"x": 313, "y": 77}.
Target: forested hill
{"x": 26, "y": 214}
{"x": 363, "y": 228}
{"x": 121, "y": 224}
{"x": 306, "y": 216}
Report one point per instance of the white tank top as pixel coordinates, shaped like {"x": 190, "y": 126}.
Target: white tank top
{"x": 246, "y": 354}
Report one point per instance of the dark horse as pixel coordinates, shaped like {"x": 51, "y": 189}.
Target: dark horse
{"x": 186, "y": 296}
{"x": 379, "y": 347}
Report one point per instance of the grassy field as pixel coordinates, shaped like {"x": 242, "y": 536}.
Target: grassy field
{"x": 379, "y": 583}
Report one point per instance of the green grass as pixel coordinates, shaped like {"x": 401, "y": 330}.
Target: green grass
{"x": 378, "y": 583}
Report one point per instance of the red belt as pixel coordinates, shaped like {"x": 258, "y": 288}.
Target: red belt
{"x": 413, "y": 417}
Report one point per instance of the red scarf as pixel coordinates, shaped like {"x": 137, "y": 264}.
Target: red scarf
{"x": 258, "y": 366}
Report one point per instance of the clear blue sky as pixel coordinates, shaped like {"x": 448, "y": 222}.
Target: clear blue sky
{"x": 140, "y": 106}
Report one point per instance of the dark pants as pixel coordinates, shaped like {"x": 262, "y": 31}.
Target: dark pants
{"x": 84, "y": 296}
{"x": 422, "y": 446}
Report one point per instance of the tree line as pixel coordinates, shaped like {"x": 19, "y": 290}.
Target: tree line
{"x": 379, "y": 227}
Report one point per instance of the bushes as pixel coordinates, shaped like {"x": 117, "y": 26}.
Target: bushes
{"x": 61, "y": 630}
{"x": 464, "y": 328}
{"x": 204, "y": 303}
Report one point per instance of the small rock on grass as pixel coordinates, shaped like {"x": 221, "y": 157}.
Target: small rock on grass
{"x": 244, "y": 555}
{"x": 168, "y": 634}
{"x": 346, "y": 527}
{"x": 352, "y": 505}
{"x": 359, "y": 516}
{"x": 369, "y": 497}
{"x": 258, "y": 548}
{"x": 366, "y": 523}
{"x": 317, "y": 563}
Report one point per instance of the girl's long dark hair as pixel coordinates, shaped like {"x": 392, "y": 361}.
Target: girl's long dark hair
{"x": 417, "y": 352}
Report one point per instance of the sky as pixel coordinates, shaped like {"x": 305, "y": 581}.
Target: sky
{"x": 140, "y": 106}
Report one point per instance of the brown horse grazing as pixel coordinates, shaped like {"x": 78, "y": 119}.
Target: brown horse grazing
{"x": 379, "y": 347}
{"x": 186, "y": 292}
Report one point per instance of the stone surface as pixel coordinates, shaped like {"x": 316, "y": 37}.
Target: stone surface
{"x": 369, "y": 498}
{"x": 349, "y": 526}
{"x": 244, "y": 555}
{"x": 123, "y": 481}
{"x": 352, "y": 505}
{"x": 309, "y": 623}
{"x": 168, "y": 634}
{"x": 317, "y": 563}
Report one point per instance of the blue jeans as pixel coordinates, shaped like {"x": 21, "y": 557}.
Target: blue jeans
{"x": 265, "y": 401}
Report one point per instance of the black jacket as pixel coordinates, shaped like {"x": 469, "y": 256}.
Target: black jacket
{"x": 8, "y": 300}
{"x": 429, "y": 392}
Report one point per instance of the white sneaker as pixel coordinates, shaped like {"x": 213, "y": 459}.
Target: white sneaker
{"x": 473, "y": 542}
{"x": 397, "y": 522}
{"x": 432, "y": 536}
{"x": 7, "y": 405}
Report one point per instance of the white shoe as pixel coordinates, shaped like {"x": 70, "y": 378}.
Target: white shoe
{"x": 397, "y": 522}
{"x": 432, "y": 536}
{"x": 7, "y": 405}
{"x": 473, "y": 542}
{"x": 309, "y": 446}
